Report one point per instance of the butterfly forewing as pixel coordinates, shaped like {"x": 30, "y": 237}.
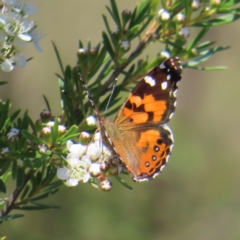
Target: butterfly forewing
{"x": 153, "y": 100}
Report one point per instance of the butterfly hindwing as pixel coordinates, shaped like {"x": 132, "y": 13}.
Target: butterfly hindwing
{"x": 156, "y": 145}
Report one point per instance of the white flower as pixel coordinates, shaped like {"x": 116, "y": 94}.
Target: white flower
{"x": 94, "y": 151}
{"x": 76, "y": 171}
{"x": 76, "y": 150}
{"x": 36, "y": 36}
{"x": 72, "y": 182}
{"x": 86, "y": 160}
{"x": 13, "y": 132}
{"x": 20, "y": 61}
{"x": 16, "y": 30}
{"x": 125, "y": 44}
{"x": 62, "y": 173}
{"x": 73, "y": 161}
{"x": 84, "y": 163}
{"x": 91, "y": 121}
{"x": 26, "y": 9}
{"x": 20, "y": 7}
{"x": 20, "y": 27}
{"x": 18, "y": 43}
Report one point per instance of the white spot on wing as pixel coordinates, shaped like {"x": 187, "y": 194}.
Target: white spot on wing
{"x": 170, "y": 116}
{"x": 162, "y": 66}
{"x": 168, "y": 77}
{"x": 151, "y": 81}
{"x": 175, "y": 93}
{"x": 164, "y": 85}
{"x": 166, "y": 127}
{"x": 162, "y": 167}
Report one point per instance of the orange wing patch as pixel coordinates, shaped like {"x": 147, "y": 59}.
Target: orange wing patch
{"x": 154, "y": 151}
{"x": 142, "y": 110}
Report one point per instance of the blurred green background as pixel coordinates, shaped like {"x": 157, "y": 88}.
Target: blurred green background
{"x": 196, "y": 197}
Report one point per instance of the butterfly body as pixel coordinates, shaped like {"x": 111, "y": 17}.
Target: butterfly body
{"x": 139, "y": 134}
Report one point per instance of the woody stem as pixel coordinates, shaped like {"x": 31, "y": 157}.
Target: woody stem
{"x": 12, "y": 199}
{"x": 132, "y": 56}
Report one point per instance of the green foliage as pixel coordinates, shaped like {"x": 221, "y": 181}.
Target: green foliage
{"x": 30, "y": 152}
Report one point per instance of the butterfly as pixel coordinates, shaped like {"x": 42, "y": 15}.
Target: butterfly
{"x": 139, "y": 135}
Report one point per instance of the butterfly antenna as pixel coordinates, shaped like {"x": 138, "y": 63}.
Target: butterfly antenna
{"x": 90, "y": 97}
{"x": 113, "y": 87}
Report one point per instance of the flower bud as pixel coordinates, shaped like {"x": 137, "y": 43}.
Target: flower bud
{"x": 180, "y": 17}
{"x": 104, "y": 166}
{"x": 91, "y": 121}
{"x": 195, "y": 4}
{"x": 106, "y": 185}
{"x": 126, "y": 16}
{"x": 95, "y": 170}
{"x": 42, "y": 148}
{"x": 184, "y": 32}
{"x": 163, "y": 14}
{"x": 45, "y": 116}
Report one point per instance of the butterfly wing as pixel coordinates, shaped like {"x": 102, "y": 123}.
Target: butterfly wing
{"x": 156, "y": 146}
{"x": 153, "y": 100}
{"x": 139, "y": 133}
{"x": 144, "y": 151}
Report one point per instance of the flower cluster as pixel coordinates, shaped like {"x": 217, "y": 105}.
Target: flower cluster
{"x": 87, "y": 163}
{"x": 16, "y": 30}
